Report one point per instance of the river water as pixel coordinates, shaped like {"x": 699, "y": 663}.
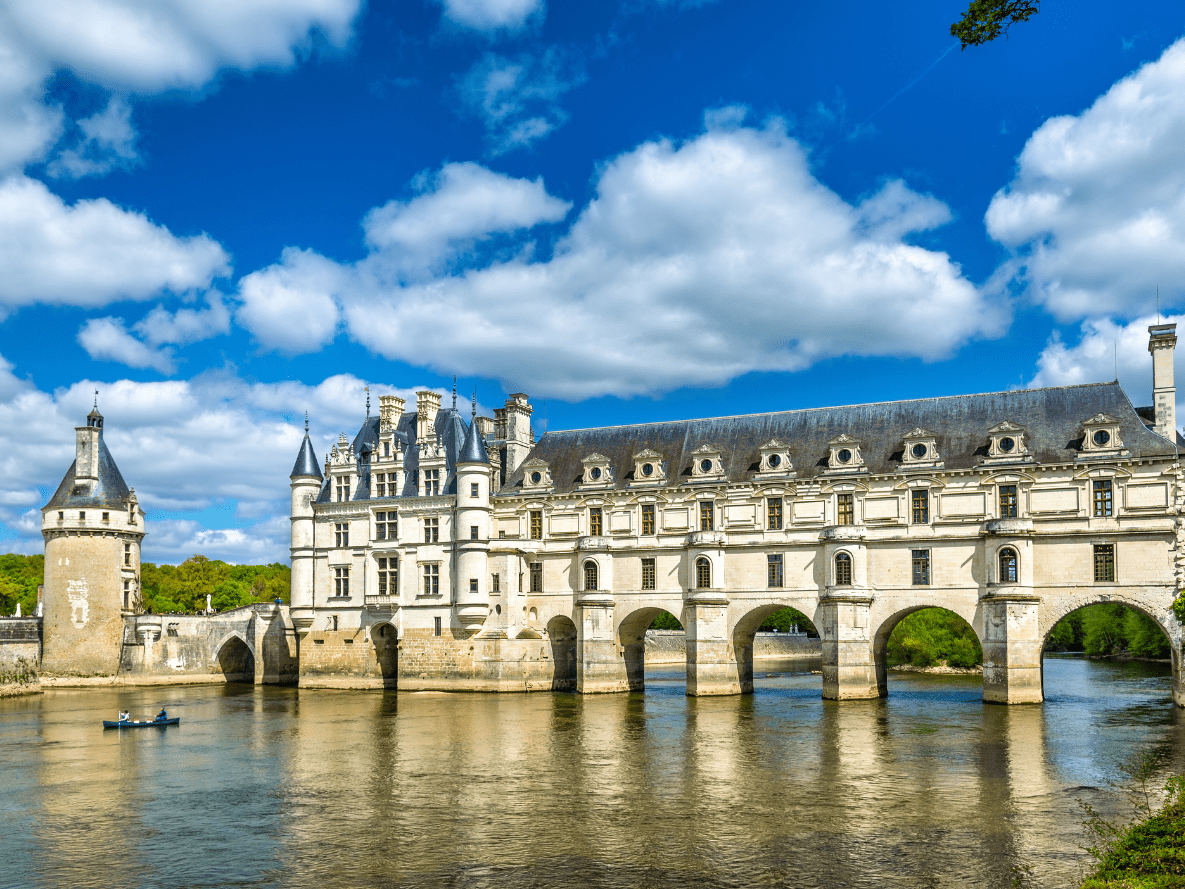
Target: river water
{"x": 278, "y": 787}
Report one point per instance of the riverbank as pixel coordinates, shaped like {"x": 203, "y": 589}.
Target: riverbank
{"x": 939, "y": 668}
{"x": 19, "y": 678}
{"x": 1149, "y": 854}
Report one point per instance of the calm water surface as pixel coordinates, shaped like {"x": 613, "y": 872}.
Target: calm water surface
{"x": 323, "y": 789}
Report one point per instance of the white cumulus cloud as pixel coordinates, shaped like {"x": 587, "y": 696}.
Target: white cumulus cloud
{"x": 290, "y": 306}
{"x": 694, "y": 264}
{"x": 492, "y": 15}
{"x": 107, "y": 141}
{"x": 108, "y": 339}
{"x": 1096, "y": 212}
{"x": 93, "y": 252}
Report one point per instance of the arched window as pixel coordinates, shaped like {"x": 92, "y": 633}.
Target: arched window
{"x": 703, "y": 573}
{"x": 1008, "y": 565}
{"x": 590, "y": 575}
{"x": 843, "y": 569}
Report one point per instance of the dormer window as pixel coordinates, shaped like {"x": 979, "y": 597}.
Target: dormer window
{"x": 775, "y": 459}
{"x": 649, "y": 468}
{"x": 1101, "y": 438}
{"x": 597, "y": 471}
{"x": 1006, "y": 444}
{"x": 536, "y": 475}
{"x": 706, "y": 462}
{"x": 845, "y": 454}
{"x": 920, "y": 450}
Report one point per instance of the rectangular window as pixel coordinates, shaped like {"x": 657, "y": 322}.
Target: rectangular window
{"x": 921, "y": 567}
{"x": 432, "y": 530}
{"x": 432, "y": 580}
{"x": 536, "y": 524}
{"x": 920, "y": 506}
{"x": 773, "y": 511}
{"x": 495, "y": 583}
{"x": 536, "y": 577}
{"x": 343, "y": 489}
{"x": 1007, "y": 501}
{"x": 386, "y": 449}
{"x": 473, "y": 532}
{"x": 431, "y": 482}
{"x": 388, "y": 577}
{"x": 127, "y": 554}
{"x": 127, "y": 594}
{"x": 473, "y": 585}
{"x": 648, "y": 574}
{"x": 1102, "y": 498}
{"x": 436, "y": 626}
{"x": 845, "y": 509}
{"x": 386, "y": 526}
{"x": 774, "y": 574}
{"x": 595, "y": 522}
{"x": 380, "y": 485}
{"x": 341, "y": 534}
{"x": 82, "y": 516}
{"x": 341, "y": 582}
{"x": 647, "y": 519}
{"x": 61, "y": 516}
{"x": 107, "y": 515}
{"x": 707, "y": 515}
{"x": 1104, "y": 563}
{"x": 473, "y": 489}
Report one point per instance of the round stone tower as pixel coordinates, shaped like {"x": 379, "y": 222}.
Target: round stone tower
{"x": 473, "y": 529}
{"x": 306, "y": 484}
{"x": 92, "y": 526}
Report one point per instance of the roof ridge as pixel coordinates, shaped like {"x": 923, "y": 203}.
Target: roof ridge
{"x": 832, "y": 407}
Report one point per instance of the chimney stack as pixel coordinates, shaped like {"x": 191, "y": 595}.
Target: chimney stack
{"x": 1162, "y": 342}
{"x": 427, "y": 407}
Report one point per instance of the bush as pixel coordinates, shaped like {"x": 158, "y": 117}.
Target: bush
{"x": 934, "y": 636}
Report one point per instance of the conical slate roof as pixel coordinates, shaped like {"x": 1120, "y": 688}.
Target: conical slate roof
{"x": 306, "y": 460}
{"x": 474, "y": 448}
{"x": 110, "y": 490}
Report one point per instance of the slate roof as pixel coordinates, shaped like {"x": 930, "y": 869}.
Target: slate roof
{"x": 110, "y": 491}
{"x": 474, "y": 449}
{"x": 306, "y": 460}
{"x": 1052, "y": 420}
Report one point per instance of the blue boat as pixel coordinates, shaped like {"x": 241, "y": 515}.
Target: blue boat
{"x": 141, "y": 723}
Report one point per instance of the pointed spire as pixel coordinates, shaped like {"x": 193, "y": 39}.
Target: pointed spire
{"x": 474, "y": 413}
{"x": 474, "y": 448}
{"x": 368, "y": 402}
{"x": 306, "y": 424}
{"x": 454, "y": 392}
{"x": 96, "y": 407}
{"x": 306, "y": 461}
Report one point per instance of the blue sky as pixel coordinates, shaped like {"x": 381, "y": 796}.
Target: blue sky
{"x": 221, "y": 216}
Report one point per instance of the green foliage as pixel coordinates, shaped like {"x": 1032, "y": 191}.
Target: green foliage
{"x": 1149, "y": 854}
{"x": 934, "y": 636}
{"x": 666, "y": 621}
{"x": 184, "y": 587}
{"x": 785, "y": 619}
{"x": 1109, "y": 629}
{"x": 19, "y": 577}
{"x": 1179, "y": 606}
{"x": 985, "y": 20}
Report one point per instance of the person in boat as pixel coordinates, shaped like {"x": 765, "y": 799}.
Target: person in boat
{"x": 124, "y": 716}
{"x": 162, "y": 714}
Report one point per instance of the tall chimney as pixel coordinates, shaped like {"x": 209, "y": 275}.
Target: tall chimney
{"x": 1162, "y": 341}
{"x": 519, "y": 438}
{"x": 427, "y": 406}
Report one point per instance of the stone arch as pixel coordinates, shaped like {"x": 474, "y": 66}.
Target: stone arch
{"x": 384, "y": 636}
{"x": 561, "y": 633}
{"x": 880, "y": 638}
{"x": 631, "y": 637}
{"x": 746, "y": 628}
{"x": 234, "y": 658}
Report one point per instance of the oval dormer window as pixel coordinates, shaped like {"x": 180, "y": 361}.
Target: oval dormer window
{"x": 705, "y": 465}
{"x": 774, "y": 461}
{"x": 843, "y": 455}
{"x": 919, "y": 451}
{"x": 595, "y": 473}
{"x": 1007, "y": 444}
{"x": 536, "y": 478}
{"x": 647, "y": 469}
{"x": 1102, "y": 437}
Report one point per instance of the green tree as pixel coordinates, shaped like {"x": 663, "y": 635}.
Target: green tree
{"x": 931, "y": 637}
{"x": 785, "y": 619}
{"x": 985, "y": 20}
{"x": 666, "y": 621}
{"x": 19, "y": 578}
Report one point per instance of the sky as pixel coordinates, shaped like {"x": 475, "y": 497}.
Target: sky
{"x": 223, "y": 215}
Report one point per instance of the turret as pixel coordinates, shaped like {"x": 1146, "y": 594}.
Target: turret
{"x": 1162, "y": 342}
{"x": 306, "y": 482}
{"x": 519, "y": 438}
{"x": 473, "y": 529}
{"x": 93, "y": 526}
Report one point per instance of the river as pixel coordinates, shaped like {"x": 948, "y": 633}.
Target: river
{"x": 278, "y": 787}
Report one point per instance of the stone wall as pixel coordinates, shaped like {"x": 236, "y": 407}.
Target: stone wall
{"x": 83, "y": 605}
{"x": 670, "y": 646}
{"x": 20, "y": 655}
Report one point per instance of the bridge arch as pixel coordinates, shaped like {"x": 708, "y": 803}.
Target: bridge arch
{"x": 562, "y": 635}
{"x": 631, "y": 637}
{"x": 888, "y": 623}
{"x": 746, "y": 626}
{"x": 384, "y": 637}
{"x": 234, "y": 658}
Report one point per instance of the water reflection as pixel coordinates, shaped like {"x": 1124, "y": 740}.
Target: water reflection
{"x": 275, "y": 787}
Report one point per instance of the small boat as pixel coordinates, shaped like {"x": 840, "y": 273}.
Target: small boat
{"x": 141, "y": 723}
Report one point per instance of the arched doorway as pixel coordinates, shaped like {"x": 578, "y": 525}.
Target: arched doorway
{"x": 631, "y": 635}
{"x": 386, "y": 652}
{"x": 926, "y": 638}
{"x": 235, "y": 661}
{"x": 561, "y": 631}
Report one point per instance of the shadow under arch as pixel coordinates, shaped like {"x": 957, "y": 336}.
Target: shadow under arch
{"x": 385, "y": 639}
{"x": 746, "y": 628}
{"x": 1065, "y": 609}
{"x": 631, "y": 636}
{"x": 561, "y": 632}
{"x": 880, "y": 640}
{"x": 235, "y": 660}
